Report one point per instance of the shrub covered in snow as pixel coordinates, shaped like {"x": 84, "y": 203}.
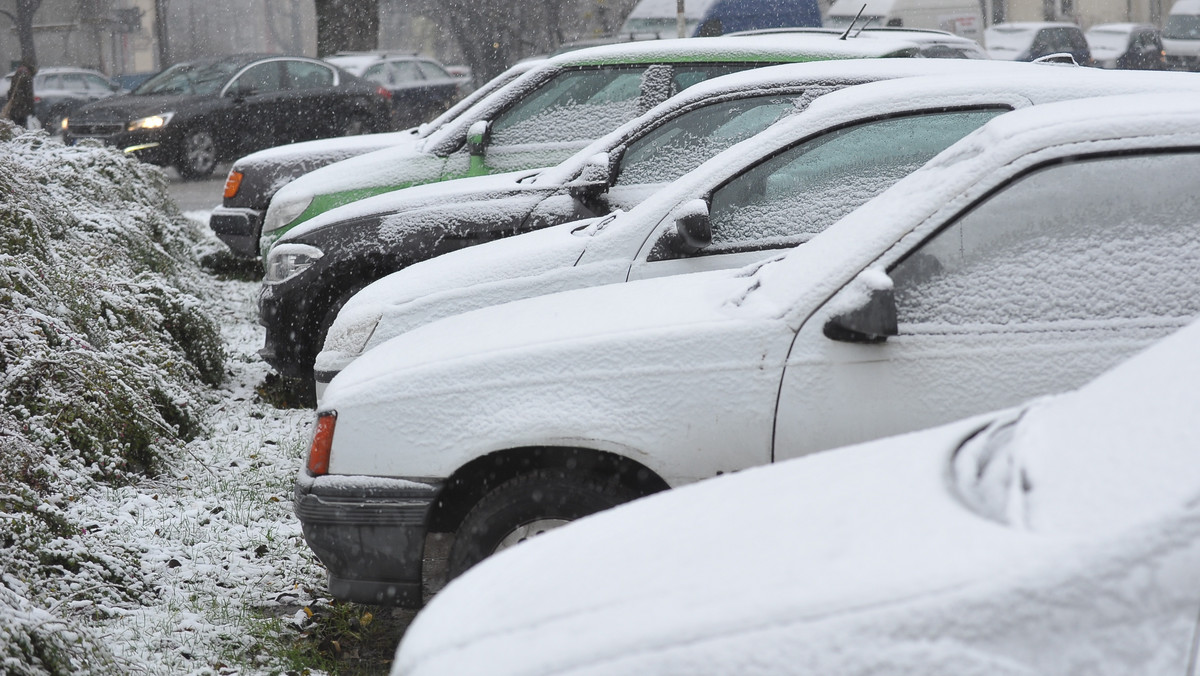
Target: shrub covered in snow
{"x": 106, "y": 356}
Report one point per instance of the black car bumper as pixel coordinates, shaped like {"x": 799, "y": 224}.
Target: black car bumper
{"x": 239, "y": 228}
{"x": 1178, "y": 62}
{"x": 290, "y": 317}
{"x": 369, "y": 532}
{"x": 151, "y": 146}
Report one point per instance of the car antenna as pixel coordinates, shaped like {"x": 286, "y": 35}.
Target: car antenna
{"x": 865, "y": 24}
{"x": 852, "y": 22}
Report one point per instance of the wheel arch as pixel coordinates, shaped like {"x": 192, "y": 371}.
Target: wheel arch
{"x": 473, "y": 480}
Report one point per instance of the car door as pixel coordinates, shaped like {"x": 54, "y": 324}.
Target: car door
{"x": 1052, "y": 278}
{"x": 257, "y": 118}
{"x": 312, "y": 107}
{"x": 788, "y": 198}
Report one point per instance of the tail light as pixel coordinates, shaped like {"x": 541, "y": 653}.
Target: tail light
{"x": 384, "y": 93}
{"x": 233, "y": 183}
{"x": 37, "y": 99}
{"x": 322, "y": 442}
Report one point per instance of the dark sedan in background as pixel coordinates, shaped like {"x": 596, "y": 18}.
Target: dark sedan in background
{"x": 195, "y": 114}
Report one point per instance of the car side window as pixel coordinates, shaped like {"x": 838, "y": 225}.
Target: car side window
{"x": 795, "y": 195}
{"x": 97, "y": 85}
{"x": 380, "y": 73}
{"x": 685, "y": 76}
{"x": 407, "y": 72}
{"x": 432, "y": 71}
{"x": 1066, "y": 245}
{"x": 685, "y": 142}
{"x": 574, "y": 105}
{"x": 263, "y": 78}
{"x": 305, "y": 75}
{"x": 73, "y": 82}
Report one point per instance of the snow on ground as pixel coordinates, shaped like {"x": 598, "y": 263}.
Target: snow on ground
{"x": 191, "y": 562}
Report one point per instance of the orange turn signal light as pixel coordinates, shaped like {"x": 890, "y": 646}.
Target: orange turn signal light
{"x": 233, "y": 183}
{"x": 322, "y": 443}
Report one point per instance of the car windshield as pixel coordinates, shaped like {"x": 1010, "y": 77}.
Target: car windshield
{"x": 190, "y": 78}
{"x": 1182, "y": 27}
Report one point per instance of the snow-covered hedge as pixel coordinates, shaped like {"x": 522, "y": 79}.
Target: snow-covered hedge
{"x": 105, "y": 359}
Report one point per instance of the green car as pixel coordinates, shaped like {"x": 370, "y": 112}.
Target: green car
{"x": 552, "y": 111}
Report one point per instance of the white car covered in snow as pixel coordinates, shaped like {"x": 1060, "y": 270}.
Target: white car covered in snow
{"x": 1030, "y": 256}
{"x": 1059, "y": 538}
{"x": 750, "y": 219}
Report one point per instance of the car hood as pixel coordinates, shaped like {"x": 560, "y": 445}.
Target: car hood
{"x": 508, "y": 269}
{"x": 456, "y": 195}
{"x": 391, "y": 168}
{"x": 767, "y": 547}
{"x": 132, "y": 107}
{"x": 563, "y": 322}
{"x": 339, "y": 148}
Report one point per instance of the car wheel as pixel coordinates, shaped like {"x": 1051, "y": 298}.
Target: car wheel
{"x": 197, "y": 154}
{"x": 529, "y": 505}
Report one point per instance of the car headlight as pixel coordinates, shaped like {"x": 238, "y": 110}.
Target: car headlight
{"x": 280, "y": 213}
{"x": 288, "y": 260}
{"x": 153, "y": 122}
{"x": 351, "y": 331}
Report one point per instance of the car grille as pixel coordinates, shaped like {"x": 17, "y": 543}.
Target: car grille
{"x": 98, "y": 129}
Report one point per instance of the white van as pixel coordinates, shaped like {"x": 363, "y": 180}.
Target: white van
{"x": 961, "y": 17}
{"x": 1181, "y": 35}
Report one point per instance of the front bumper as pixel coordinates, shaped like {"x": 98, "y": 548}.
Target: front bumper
{"x": 239, "y": 228}
{"x": 290, "y": 312}
{"x": 152, "y": 146}
{"x": 369, "y": 532}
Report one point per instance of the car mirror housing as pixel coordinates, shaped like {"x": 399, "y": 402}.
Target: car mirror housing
{"x": 871, "y": 322}
{"x": 594, "y": 178}
{"x": 694, "y": 227}
{"x": 478, "y": 135}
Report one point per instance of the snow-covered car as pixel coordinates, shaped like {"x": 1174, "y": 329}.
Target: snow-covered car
{"x": 254, "y": 179}
{"x": 549, "y": 114}
{"x": 1031, "y": 40}
{"x": 1062, "y": 537}
{"x": 632, "y": 245}
{"x": 970, "y": 285}
{"x": 932, "y": 44}
{"x": 1126, "y": 45}
{"x": 347, "y": 248}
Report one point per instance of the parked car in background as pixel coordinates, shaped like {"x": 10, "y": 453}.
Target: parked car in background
{"x": 515, "y": 418}
{"x": 421, "y": 88}
{"x": 1126, "y": 45}
{"x": 254, "y": 179}
{"x": 552, "y": 112}
{"x": 1026, "y": 41}
{"x": 708, "y": 18}
{"x": 193, "y": 115}
{"x": 131, "y": 81}
{"x": 1059, "y": 537}
{"x": 58, "y": 91}
{"x": 1181, "y": 35}
{"x": 624, "y": 248}
{"x": 361, "y": 242}
{"x": 960, "y": 17}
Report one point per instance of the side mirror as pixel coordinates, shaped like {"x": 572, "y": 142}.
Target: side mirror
{"x": 693, "y": 226}
{"x": 593, "y": 179}
{"x": 478, "y": 135}
{"x": 872, "y": 322}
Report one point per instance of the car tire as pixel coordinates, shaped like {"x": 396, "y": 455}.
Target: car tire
{"x": 197, "y": 154}
{"x": 529, "y": 505}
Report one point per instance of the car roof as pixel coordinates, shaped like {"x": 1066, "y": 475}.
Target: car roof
{"x": 731, "y": 49}
{"x": 1021, "y": 26}
{"x": 1121, "y": 27}
{"x": 918, "y": 35}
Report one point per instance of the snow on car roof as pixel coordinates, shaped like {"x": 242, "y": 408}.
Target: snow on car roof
{"x": 719, "y": 49}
